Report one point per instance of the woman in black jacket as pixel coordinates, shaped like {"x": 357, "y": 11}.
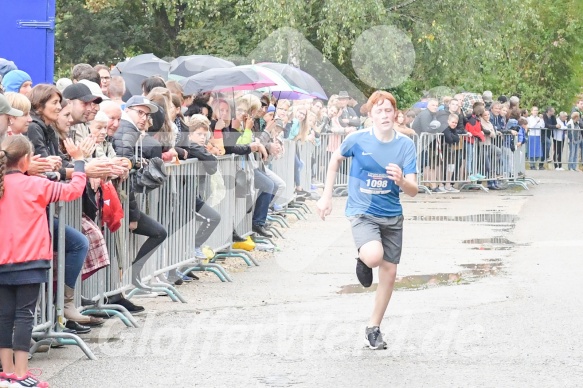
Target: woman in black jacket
{"x": 46, "y": 106}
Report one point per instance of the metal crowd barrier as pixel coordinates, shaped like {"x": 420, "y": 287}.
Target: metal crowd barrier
{"x": 222, "y": 238}
{"x": 284, "y": 168}
{"x": 545, "y": 148}
{"x": 305, "y": 153}
{"x": 115, "y": 278}
{"x": 173, "y": 205}
{"x": 49, "y": 317}
{"x": 330, "y": 142}
{"x": 467, "y": 164}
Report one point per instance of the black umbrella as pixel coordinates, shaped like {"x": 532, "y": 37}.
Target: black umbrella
{"x": 227, "y": 79}
{"x": 137, "y": 69}
{"x": 190, "y": 65}
{"x": 298, "y": 78}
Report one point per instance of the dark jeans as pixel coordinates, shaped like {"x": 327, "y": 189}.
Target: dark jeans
{"x": 210, "y": 220}
{"x": 76, "y": 247}
{"x": 558, "y": 154}
{"x": 17, "y": 307}
{"x": 156, "y": 234}
{"x": 267, "y": 189}
{"x": 545, "y": 146}
{"x": 298, "y": 165}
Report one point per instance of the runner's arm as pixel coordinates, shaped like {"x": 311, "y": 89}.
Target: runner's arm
{"x": 409, "y": 185}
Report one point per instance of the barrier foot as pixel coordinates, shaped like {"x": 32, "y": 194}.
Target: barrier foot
{"x": 38, "y": 344}
{"x": 265, "y": 240}
{"x": 340, "y": 192}
{"x": 157, "y": 287}
{"x": 518, "y": 183}
{"x": 424, "y": 189}
{"x": 296, "y": 213}
{"x": 123, "y": 314}
{"x": 468, "y": 186}
{"x": 301, "y": 206}
{"x": 162, "y": 287}
{"x": 276, "y": 232}
{"x": 240, "y": 254}
{"x": 69, "y": 339}
{"x": 306, "y": 208}
{"x": 214, "y": 268}
{"x": 279, "y": 219}
{"x": 528, "y": 180}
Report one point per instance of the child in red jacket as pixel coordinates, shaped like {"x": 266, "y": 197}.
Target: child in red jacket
{"x": 474, "y": 129}
{"x": 26, "y": 249}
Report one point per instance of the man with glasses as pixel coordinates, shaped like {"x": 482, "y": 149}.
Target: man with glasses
{"x": 134, "y": 123}
{"x": 105, "y": 77}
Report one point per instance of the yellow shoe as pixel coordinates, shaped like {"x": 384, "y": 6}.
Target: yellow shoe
{"x": 209, "y": 253}
{"x": 247, "y": 245}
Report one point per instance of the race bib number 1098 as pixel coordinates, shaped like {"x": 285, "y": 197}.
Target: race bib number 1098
{"x": 375, "y": 184}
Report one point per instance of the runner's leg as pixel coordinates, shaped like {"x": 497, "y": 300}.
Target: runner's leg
{"x": 387, "y": 274}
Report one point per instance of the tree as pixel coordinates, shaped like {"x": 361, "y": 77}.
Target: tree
{"x": 522, "y": 47}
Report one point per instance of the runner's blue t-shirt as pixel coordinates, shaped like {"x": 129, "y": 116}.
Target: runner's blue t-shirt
{"x": 370, "y": 191}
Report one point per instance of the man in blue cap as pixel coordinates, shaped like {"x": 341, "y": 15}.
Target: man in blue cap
{"x": 17, "y": 81}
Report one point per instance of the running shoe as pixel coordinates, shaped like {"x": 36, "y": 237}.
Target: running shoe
{"x": 363, "y": 273}
{"x": 185, "y": 278}
{"x": 199, "y": 254}
{"x": 373, "y": 338}
{"x": 6, "y": 379}
{"x": 29, "y": 380}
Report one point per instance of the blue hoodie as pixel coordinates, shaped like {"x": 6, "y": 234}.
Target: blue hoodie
{"x": 512, "y": 124}
{"x": 14, "y": 79}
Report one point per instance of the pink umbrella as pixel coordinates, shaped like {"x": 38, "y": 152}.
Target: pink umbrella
{"x": 226, "y": 79}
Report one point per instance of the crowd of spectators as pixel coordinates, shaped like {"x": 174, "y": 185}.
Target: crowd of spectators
{"x": 82, "y": 131}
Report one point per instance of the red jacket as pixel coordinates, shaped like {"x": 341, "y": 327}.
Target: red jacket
{"x": 24, "y": 231}
{"x": 474, "y": 127}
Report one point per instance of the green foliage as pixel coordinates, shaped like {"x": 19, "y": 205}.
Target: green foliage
{"x": 532, "y": 48}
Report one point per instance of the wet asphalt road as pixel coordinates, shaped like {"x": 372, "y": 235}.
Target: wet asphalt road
{"x": 489, "y": 295}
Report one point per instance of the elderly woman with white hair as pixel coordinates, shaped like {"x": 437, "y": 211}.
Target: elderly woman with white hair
{"x": 98, "y": 130}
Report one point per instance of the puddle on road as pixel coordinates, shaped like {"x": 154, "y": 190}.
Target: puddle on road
{"x": 493, "y": 240}
{"x": 492, "y": 244}
{"x": 486, "y": 218}
{"x": 471, "y": 273}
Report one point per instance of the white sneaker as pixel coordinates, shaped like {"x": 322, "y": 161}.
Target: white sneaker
{"x": 560, "y": 169}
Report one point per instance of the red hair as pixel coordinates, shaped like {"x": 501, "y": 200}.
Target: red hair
{"x": 379, "y": 97}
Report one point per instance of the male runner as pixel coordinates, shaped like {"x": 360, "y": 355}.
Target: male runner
{"x": 383, "y": 162}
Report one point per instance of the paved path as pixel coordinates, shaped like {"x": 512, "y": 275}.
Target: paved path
{"x": 490, "y": 296}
